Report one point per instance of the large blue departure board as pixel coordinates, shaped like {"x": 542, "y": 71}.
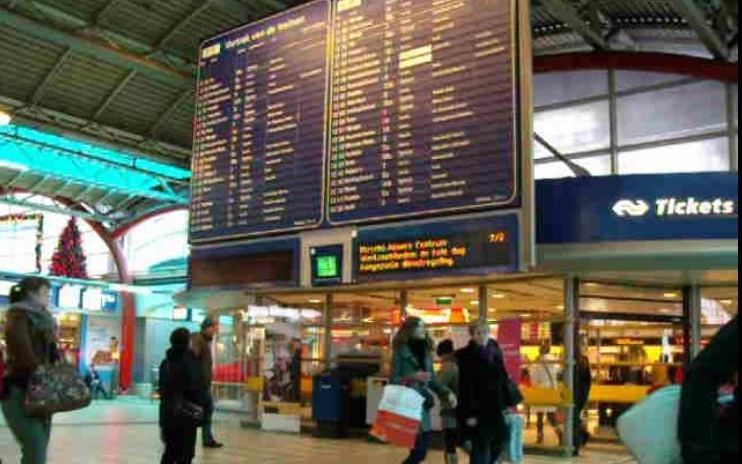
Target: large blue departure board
{"x": 260, "y": 126}
{"x": 423, "y": 113}
{"x": 353, "y": 112}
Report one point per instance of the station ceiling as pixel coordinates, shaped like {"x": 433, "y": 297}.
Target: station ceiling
{"x": 122, "y": 72}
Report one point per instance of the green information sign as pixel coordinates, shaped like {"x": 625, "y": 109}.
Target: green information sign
{"x": 327, "y": 267}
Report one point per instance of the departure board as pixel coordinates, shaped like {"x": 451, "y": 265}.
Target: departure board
{"x": 260, "y": 127}
{"x": 423, "y": 113}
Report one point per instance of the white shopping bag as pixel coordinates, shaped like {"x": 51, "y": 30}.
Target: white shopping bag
{"x": 402, "y": 401}
{"x": 399, "y": 416}
{"x": 650, "y": 428}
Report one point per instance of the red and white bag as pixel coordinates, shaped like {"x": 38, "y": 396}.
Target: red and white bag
{"x": 399, "y": 416}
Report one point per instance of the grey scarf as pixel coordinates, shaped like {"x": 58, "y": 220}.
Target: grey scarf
{"x": 39, "y": 316}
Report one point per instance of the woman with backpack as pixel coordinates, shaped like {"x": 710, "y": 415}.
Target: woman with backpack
{"x": 183, "y": 396}
{"x": 31, "y": 342}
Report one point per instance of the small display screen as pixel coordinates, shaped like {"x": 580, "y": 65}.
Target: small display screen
{"x": 327, "y": 265}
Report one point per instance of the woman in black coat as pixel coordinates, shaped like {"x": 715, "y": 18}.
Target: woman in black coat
{"x": 482, "y": 395}
{"x": 181, "y": 379}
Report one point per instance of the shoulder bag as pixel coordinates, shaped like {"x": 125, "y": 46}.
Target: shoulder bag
{"x": 55, "y": 388}
{"x": 186, "y": 410}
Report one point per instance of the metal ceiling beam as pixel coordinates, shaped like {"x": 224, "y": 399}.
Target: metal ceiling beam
{"x": 244, "y": 12}
{"x": 112, "y": 96}
{"x": 16, "y": 137}
{"x": 84, "y": 129}
{"x": 697, "y": 20}
{"x": 165, "y": 116}
{"x": 52, "y": 209}
{"x": 105, "y": 11}
{"x": 576, "y": 169}
{"x": 180, "y": 25}
{"x": 49, "y": 78}
{"x": 80, "y": 44}
{"x": 568, "y": 14}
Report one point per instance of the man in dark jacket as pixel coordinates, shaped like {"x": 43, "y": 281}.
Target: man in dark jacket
{"x": 482, "y": 390}
{"x": 181, "y": 380}
{"x": 201, "y": 348}
{"x": 706, "y": 437}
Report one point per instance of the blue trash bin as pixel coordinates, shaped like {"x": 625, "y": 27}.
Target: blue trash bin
{"x": 331, "y": 404}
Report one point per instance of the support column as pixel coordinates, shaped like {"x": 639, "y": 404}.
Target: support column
{"x": 691, "y": 323}
{"x": 571, "y": 303}
{"x": 694, "y": 295}
{"x": 327, "y": 326}
{"x": 483, "y": 303}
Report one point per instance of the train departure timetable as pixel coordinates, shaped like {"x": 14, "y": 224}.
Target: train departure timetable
{"x": 260, "y": 127}
{"x": 423, "y": 114}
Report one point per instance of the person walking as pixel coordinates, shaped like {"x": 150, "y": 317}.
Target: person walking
{"x": 201, "y": 348}
{"x": 708, "y": 433}
{"x": 483, "y": 392}
{"x": 31, "y": 342}
{"x": 449, "y": 378}
{"x": 412, "y": 366}
{"x": 181, "y": 385}
{"x": 544, "y": 375}
{"x": 583, "y": 382}
{"x": 94, "y": 383}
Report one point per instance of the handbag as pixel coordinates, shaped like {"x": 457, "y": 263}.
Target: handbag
{"x": 513, "y": 449}
{"x": 55, "y": 388}
{"x": 188, "y": 411}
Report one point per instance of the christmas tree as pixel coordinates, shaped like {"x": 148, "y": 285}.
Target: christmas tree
{"x": 69, "y": 258}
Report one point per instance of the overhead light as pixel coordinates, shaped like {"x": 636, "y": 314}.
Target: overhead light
{"x": 670, "y": 295}
{"x": 560, "y": 307}
{"x": 499, "y": 296}
{"x": 665, "y": 310}
{"x": 315, "y": 301}
{"x": 726, "y": 302}
{"x": 5, "y": 118}
{"x": 130, "y": 289}
{"x": 467, "y": 290}
{"x": 13, "y": 165}
{"x": 474, "y": 302}
{"x": 591, "y": 284}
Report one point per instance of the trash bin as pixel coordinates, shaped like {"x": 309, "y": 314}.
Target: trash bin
{"x": 331, "y": 404}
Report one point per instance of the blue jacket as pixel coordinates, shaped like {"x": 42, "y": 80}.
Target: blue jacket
{"x": 404, "y": 366}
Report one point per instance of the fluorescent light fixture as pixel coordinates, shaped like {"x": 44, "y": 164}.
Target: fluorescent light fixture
{"x": 670, "y": 295}
{"x": 726, "y": 302}
{"x": 499, "y": 296}
{"x": 130, "y": 289}
{"x": 665, "y": 310}
{"x": 5, "y": 118}
{"x": 474, "y": 302}
{"x": 560, "y": 307}
{"x": 467, "y": 290}
{"x": 315, "y": 301}
{"x": 13, "y": 166}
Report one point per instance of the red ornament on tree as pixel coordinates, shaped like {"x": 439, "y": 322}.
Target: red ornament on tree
{"x": 69, "y": 258}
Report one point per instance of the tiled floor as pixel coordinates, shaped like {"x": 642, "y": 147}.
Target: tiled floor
{"x": 126, "y": 433}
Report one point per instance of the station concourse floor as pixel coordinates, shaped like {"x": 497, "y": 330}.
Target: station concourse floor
{"x": 124, "y": 431}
